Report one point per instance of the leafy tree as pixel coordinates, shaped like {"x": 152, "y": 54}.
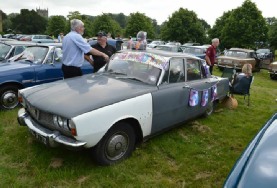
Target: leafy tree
{"x": 245, "y": 27}
{"x": 107, "y": 24}
{"x": 183, "y": 26}
{"x": 56, "y": 25}
{"x": 29, "y": 22}
{"x": 217, "y": 30}
{"x": 139, "y": 22}
{"x": 119, "y": 18}
{"x": 272, "y": 32}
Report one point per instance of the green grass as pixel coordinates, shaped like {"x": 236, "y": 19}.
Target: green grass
{"x": 197, "y": 154}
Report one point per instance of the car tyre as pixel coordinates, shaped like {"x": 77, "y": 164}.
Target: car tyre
{"x": 273, "y": 76}
{"x": 117, "y": 145}
{"x": 8, "y": 97}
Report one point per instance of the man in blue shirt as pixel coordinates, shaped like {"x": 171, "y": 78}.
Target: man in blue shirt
{"x": 74, "y": 48}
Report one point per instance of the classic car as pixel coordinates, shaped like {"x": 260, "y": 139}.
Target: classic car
{"x": 272, "y": 70}
{"x": 257, "y": 166}
{"x": 266, "y": 57}
{"x": 237, "y": 57}
{"x": 38, "y": 38}
{"x": 198, "y": 51}
{"x": 169, "y": 48}
{"x": 155, "y": 43}
{"x": 11, "y": 48}
{"x": 37, "y": 64}
{"x": 137, "y": 95}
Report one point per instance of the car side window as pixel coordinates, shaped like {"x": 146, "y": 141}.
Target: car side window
{"x": 19, "y": 49}
{"x": 176, "y": 70}
{"x": 193, "y": 69}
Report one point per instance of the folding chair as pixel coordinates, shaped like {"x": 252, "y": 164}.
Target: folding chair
{"x": 241, "y": 86}
{"x": 228, "y": 72}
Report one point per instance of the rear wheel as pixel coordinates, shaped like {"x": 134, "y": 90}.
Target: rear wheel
{"x": 117, "y": 144}
{"x": 8, "y": 97}
{"x": 273, "y": 76}
{"x": 210, "y": 108}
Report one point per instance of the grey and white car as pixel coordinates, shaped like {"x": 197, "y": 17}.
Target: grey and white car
{"x": 137, "y": 95}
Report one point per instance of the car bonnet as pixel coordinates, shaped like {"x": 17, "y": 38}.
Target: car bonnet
{"x": 72, "y": 97}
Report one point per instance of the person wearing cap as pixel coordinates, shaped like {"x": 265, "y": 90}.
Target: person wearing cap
{"x": 74, "y": 47}
{"x": 102, "y": 45}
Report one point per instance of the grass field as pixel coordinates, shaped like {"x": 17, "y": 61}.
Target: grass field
{"x": 199, "y": 153}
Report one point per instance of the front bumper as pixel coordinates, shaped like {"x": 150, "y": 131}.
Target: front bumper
{"x": 272, "y": 72}
{"x": 46, "y": 136}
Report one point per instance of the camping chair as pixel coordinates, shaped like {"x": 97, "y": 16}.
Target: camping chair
{"x": 228, "y": 72}
{"x": 241, "y": 86}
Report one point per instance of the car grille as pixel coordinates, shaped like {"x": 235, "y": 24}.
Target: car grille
{"x": 45, "y": 119}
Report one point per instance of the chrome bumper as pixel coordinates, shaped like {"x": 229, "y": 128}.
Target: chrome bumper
{"x": 48, "y": 137}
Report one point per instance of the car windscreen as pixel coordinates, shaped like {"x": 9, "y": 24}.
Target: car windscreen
{"x": 134, "y": 70}
{"x": 238, "y": 54}
{"x": 4, "y": 50}
{"x": 35, "y": 54}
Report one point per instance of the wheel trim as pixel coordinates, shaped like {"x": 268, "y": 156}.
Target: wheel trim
{"x": 9, "y": 99}
{"x": 117, "y": 146}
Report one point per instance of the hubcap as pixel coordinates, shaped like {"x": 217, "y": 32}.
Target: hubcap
{"x": 117, "y": 146}
{"x": 9, "y": 99}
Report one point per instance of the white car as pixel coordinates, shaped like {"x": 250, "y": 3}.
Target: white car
{"x": 139, "y": 94}
{"x": 154, "y": 44}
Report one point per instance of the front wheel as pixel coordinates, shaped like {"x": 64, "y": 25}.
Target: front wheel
{"x": 8, "y": 97}
{"x": 117, "y": 144}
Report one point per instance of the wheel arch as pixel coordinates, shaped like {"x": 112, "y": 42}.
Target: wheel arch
{"x": 18, "y": 85}
{"x": 134, "y": 123}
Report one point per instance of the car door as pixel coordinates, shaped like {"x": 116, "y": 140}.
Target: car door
{"x": 50, "y": 70}
{"x": 171, "y": 102}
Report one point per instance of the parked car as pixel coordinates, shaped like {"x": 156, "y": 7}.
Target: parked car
{"x": 257, "y": 166}
{"x": 138, "y": 94}
{"x": 37, "y": 64}
{"x": 272, "y": 70}
{"x": 266, "y": 57}
{"x": 169, "y": 48}
{"x": 237, "y": 57}
{"x": 155, "y": 43}
{"x": 38, "y": 38}
{"x": 191, "y": 44}
{"x": 117, "y": 43}
{"x": 198, "y": 51}
{"x": 11, "y": 48}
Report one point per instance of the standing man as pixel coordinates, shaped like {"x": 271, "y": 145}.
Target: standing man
{"x": 74, "y": 47}
{"x": 102, "y": 45}
{"x": 211, "y": 54}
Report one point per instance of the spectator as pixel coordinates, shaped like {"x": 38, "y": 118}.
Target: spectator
{"x": 74, "y": 48}
{"x": 211, "y": 54}
{"x": 130, "y": 43}
{"x": 246, "y": 71}
{"x": 102, "y": 46}
{"x": 60, "y": 37}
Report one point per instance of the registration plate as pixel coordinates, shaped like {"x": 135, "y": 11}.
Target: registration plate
{"x": 39, "y": 137}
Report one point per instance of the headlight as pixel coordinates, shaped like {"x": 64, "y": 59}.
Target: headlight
{"x": 60, "y": 122}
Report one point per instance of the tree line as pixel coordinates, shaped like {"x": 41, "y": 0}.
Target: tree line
{"x": 243, "y": 27}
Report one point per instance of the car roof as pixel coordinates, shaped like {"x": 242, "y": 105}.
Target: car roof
{"x": 164, "y": 53}
{"x": 17, "y": 43}
{"x": 242, "y": 49}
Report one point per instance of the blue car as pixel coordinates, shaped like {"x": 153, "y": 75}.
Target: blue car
{"x": 198, "y": 51}
{"x": 257, "y": 166}
{"x": 37, "y": 64}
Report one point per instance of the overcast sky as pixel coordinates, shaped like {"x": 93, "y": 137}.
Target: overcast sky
{"x": 155, "y": 9}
